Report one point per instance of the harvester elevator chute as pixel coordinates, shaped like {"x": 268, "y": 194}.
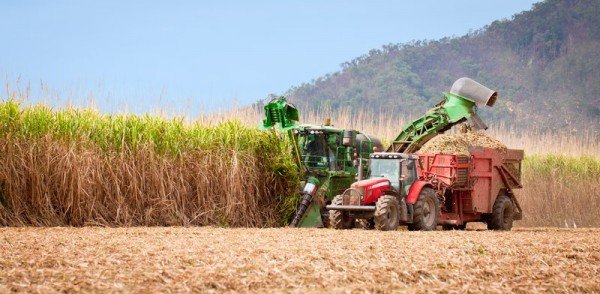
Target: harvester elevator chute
{"x": 457, "y": 106}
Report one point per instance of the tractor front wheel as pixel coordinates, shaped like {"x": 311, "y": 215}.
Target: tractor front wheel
{"x": 386, "y": 213}
{"x": 426, "y": 211}
{"x": 340, "y": 220}
{"x": 502, "y": 214}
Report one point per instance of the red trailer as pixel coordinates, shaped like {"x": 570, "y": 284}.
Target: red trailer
{"x": 427, "y": 190}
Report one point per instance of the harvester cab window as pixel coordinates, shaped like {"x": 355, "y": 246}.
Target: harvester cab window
{"x": 332, "y": 150}
{"x": 314, "y": 150}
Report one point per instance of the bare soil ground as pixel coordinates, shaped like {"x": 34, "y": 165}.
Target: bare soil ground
{"x": 297, "y": 260}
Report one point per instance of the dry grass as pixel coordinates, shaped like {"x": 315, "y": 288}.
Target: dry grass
{"x": 297, "y": 260}
{"x": 387, "y": 126}
{"x": 562, "y": 191}
{"x": 78, "y": 167}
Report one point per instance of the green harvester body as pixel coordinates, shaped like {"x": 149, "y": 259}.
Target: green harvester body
{"x": 329, "y": 158}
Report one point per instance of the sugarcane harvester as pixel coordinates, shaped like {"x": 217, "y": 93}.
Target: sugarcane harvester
{"x": 329, "y": 159}
{"x": 426, "y": 190}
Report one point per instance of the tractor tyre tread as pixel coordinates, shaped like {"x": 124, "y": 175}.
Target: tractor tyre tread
{"x": 418, "y": 214}
{"x": 502, "y": 215}
{"x": 339, "y": 220}
{"x": 387, "y": 216}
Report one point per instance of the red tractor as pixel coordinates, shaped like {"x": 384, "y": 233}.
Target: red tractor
{"x": 427, "y": 190}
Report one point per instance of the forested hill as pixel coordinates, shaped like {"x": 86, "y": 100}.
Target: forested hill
{"x": 545, "y": 64}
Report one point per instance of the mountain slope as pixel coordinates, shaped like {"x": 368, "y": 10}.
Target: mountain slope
{"x": 544, "y": 63}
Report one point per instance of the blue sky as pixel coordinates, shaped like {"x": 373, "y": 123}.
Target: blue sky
{"x": 193, "y": 56}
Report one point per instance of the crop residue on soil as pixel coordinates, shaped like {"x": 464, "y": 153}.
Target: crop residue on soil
{"x": 205, "y": 259}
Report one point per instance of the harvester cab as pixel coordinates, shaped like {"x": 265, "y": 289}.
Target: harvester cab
{"x": 317, "y": 147}
{"x": 324, "y": 148}
{"x": 329, "y": 158}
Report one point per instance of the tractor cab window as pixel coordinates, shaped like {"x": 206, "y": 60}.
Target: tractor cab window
{"x": 386, "y": 168}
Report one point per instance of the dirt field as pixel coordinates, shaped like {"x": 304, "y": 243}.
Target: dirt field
{"x": 295, "y": 260}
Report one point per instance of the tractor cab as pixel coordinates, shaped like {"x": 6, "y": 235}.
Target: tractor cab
{"x": 398, "y": 168}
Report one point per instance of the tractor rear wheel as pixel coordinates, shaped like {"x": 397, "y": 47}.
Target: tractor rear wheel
{"x": 386, "y": 213}
{"x": 502, "y": 214}
{"x": 426, "y": 211}
{"x": 340, "y": 220}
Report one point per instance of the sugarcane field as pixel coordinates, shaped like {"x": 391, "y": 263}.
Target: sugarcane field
{"x": 161, "y": 149}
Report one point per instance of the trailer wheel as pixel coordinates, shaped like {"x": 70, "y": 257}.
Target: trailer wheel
{"x": 365, "y": 224}
{"x": 502, "y": 214}
{"x": 386, "y": 213}
{"x": 426, "y": 211}
{"x": 339, "y": 220}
